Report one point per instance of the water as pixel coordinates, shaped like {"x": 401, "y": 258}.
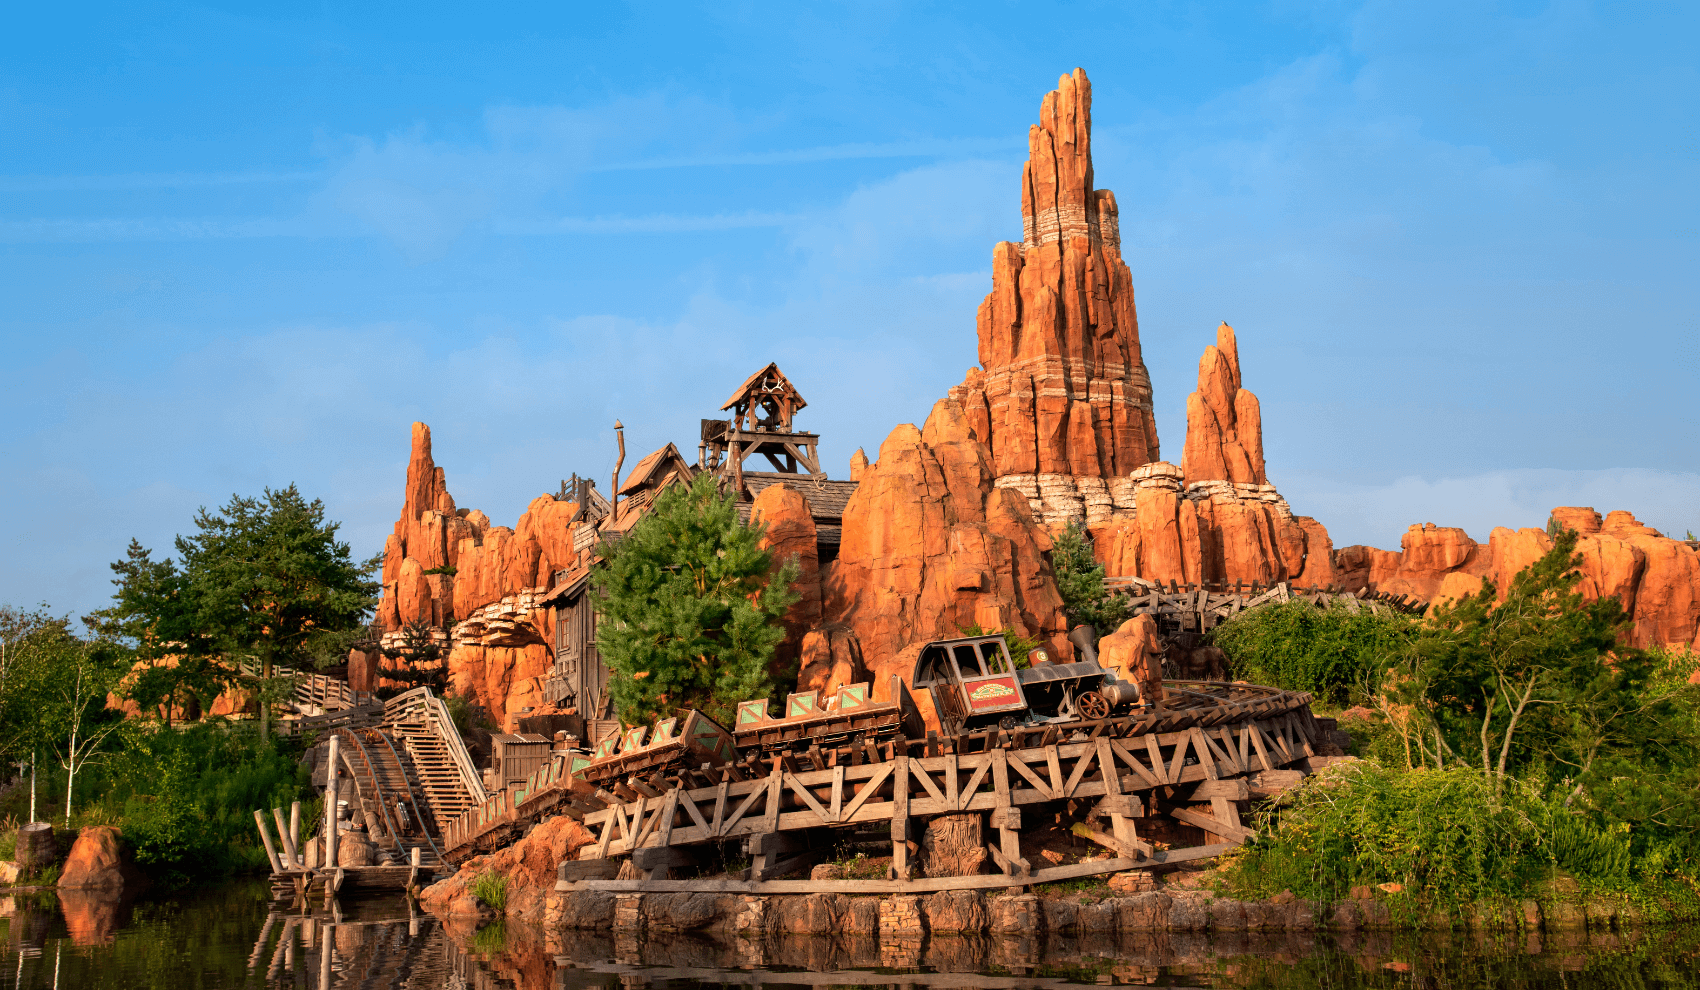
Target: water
{"x": 230, "y": 937}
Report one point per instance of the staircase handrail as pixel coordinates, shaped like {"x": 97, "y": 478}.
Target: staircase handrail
{"x": 437, "y": 719}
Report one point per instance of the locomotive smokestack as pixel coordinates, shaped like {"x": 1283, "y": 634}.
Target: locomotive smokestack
{"x": 1085, "y": 639}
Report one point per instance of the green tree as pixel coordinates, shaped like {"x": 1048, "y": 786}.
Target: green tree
{"x": 174, "y": 661}
{"x": 1080, "y": 581}
{"x": 54, "y": 699}
{"x": 263, "y": 578}
{"x": 1528, "y": 677}
{"x": 416, "y": 662}
{"x": 690, "y": 607}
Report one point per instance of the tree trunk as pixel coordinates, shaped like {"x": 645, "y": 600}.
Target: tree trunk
{"x": 954, "y": 845}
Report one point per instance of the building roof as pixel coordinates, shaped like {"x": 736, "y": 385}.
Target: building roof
{"x": 743, "y": 391}
{"x": 654, "y": 467}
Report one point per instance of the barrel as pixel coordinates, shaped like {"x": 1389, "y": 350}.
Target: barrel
{"x": 36, "y": 848}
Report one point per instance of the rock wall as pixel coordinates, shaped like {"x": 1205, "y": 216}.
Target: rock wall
{"x": 481, "y": 597}
{"x": 791, "y": 535}
{"x": 1061, "y": 397}
{"x": 1656, "y": 579}
{"x": 931, "y": 547}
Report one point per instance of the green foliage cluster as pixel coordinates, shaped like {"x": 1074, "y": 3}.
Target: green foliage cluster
{"x": 1449, "y": 837}
{"x": 186, "y": 796}
{"x": 1516, "y": 740}
{"x": 263, "y": 579}
{"x": 1080, "y": 581}
{"x": 491, "y": 888}
{"x": 1327, "y": 651}
{"x": 690, "y": 607}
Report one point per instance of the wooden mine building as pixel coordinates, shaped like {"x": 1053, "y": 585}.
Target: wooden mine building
{"x": 761, "y": 423}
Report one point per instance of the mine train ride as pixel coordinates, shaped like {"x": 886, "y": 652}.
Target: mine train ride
{"x": 975, "y": 688}
{"x": 974, "y": 684}
{"x": 981, "y": 701}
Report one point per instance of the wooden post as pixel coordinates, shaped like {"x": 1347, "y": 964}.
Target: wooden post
{"x": 286, "y": 839}
{"x": 1006, "y": 815}
{"x": 1120, "y": 826}
{"x": 295, "y": 830}
{"x": 266, "y": 837}
{"x": 330, "y": 808}
{"x": 413, "y": 874}
{"x": 900, "y": 817}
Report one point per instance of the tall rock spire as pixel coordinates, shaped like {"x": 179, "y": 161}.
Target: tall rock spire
{"x": 1061, "y": 396}
{"x": 1224, "y": 425}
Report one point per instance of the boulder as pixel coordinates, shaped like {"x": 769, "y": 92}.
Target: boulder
{"x": 926, "y": 516}
{"x": 832, "y": 657}
{"x": 99, "y": 861}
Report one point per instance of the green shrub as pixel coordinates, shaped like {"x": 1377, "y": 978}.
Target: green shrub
{"x": 1326, "y": 651}
{"x": 1442, "y": 834}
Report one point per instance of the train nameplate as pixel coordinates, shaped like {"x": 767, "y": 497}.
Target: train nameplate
{"x": 993, "y": 693}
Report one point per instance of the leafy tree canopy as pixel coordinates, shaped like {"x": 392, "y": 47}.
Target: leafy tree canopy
{"x": 690, "y": 607}
{"x": 263, "y": 578}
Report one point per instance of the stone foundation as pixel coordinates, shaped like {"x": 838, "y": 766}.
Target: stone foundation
{"x": 911, "y": 917}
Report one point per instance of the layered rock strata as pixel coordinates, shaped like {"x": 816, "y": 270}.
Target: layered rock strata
{"x": 1656, "y": 579}
{"x": 1061, "y": 397}
{"x": 1215, "y": 519}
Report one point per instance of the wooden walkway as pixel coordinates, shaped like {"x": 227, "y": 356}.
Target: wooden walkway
{"x": 410, "y": 773}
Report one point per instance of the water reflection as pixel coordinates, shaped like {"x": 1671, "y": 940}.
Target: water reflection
{"x": 233, "y": 937}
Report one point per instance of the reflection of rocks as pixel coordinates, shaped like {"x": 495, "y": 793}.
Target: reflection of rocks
{"x": 92, "y": 916}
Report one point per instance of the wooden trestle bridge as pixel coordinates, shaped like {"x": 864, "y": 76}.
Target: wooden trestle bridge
{"x": 1167, "y": 781}
{"x": 410, "y": 773}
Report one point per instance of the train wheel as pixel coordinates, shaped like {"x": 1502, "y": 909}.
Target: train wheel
{"x": 1092, "y": 706}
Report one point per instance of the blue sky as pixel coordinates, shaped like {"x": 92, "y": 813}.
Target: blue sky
{"x": 242, "y": 247}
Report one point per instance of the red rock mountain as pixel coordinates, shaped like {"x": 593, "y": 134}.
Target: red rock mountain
{"x": 1061, "y": 397}
{"x": 951, "y": 526}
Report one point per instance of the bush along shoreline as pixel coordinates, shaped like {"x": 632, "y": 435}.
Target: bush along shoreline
{"x": 1516, "y": 754}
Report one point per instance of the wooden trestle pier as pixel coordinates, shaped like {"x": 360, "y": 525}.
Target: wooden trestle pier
{"x": 1155, "y": 778}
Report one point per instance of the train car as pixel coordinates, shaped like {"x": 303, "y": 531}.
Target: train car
{"x": 974, "y": 685}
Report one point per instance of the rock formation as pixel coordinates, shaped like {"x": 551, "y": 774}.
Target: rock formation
{"x": 1656, "y": 579}
{"x": 932, "y": 547}
{"x": 1061, "y": 397}
{"x": 791, "y": 535}
{"x": 1215, "y": 519}
{"x": 475, "y": 585}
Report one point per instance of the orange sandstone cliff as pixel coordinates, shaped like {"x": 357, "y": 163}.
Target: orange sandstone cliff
{"x": 1657, "y": 579}
{"x": 1062, "y": 397}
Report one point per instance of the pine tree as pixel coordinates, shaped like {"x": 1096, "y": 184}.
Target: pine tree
{"x": 1080, "y": 581}
{"x": 416, "y": 662}
{"x": 690, "y": 606}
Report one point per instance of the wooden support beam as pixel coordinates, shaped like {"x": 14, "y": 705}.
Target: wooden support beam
{"x": 1225, "y": 829}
